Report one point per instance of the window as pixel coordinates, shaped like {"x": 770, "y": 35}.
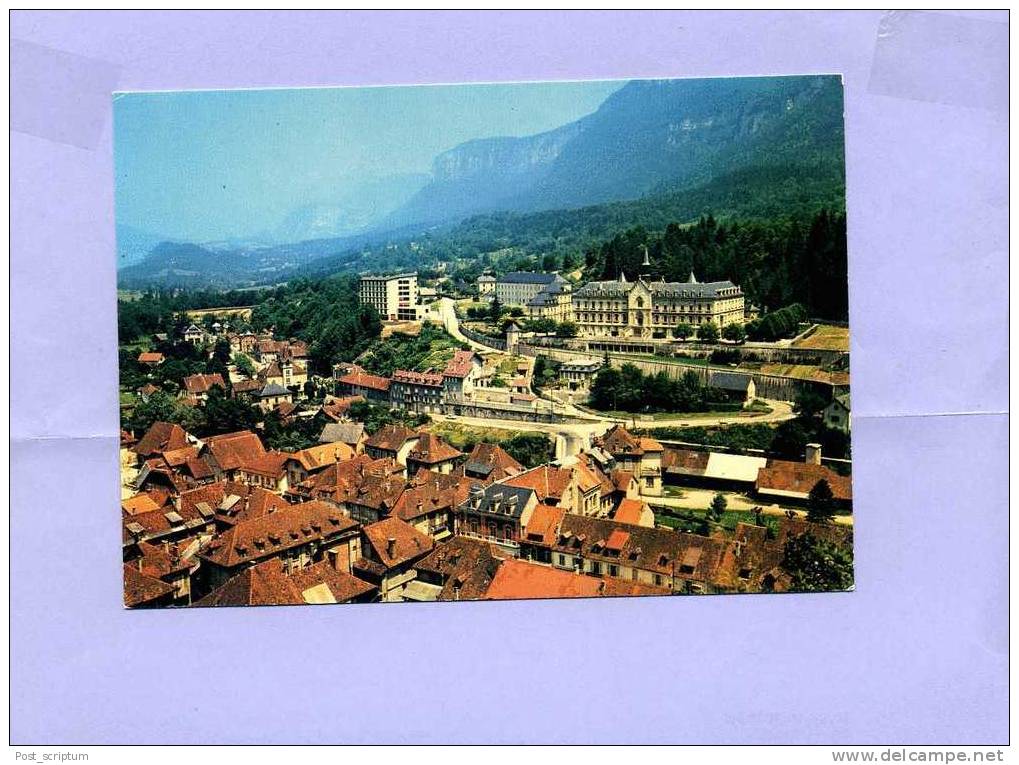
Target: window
{"x": 658, "y": 580}
{"x": 613, "y": 570}
{"x": 562, "y": 560}
{"x": 595, "y": 567}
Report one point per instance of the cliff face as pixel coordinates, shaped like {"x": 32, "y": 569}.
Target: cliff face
{"x": 649, "y": 136}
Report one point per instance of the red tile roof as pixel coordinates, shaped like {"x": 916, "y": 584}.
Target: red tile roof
{"x": 517, "y": 579}
{"x": 630, "y": 511}
{"x": 431, "y": 493}
{"x": 318, "y": 457}
{"x": 203, "y": 383}
{"x": 266, "y": 584}
{"x": 548, "y": 481}
{"x": 395, "y": 542}
{"x": 391, "y": 438}
{"x": 799, "y": 478}
{"x": 361, "y": 379}
{"x": 460, "y": 365}
{"x": 233, "y": 450}
{"x": 161, "y": 437}
{"x": 140, "y": 589}
{"x": 490, "y": 462}
{"x": 432, "y": 450}
{"x": 150, "y": 357}
{"x": 433, "y": 379}
{"x": 543, "y": 525}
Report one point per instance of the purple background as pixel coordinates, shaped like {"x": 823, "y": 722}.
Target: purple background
{"x": 917, "y": 654}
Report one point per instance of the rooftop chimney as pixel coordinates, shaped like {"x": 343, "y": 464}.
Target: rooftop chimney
{"x": 813, "y": 454}
{"x": 391, "y": 547}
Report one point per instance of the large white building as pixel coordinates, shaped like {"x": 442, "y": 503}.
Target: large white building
{"x": 653, "y": 309}
{"x": 394, "y": 297}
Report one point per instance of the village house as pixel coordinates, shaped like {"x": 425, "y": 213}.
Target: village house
{"x": 351, "y": 380}
{"x": 462, "y": 568}
{"x": 390, "y": 548}
{"x": 711, "y": 470}
{"x": 198, "y": 386}
{"x": 305, "y": 463}
{"x": 270, "y": 584}
{"x": 170, "y": 563}
{"x": 517, "y": 579}
{"x": 497, "y": 513}
{"x": 461, "y": 376}
{"x": 150, "y": 358}
{"x": 194, "y": 335}
{"x": 272, "y": 395}
{"x": 486, "y": 284}
{"x": 641, "y": 456}
{"x": 836, "y": 414}
{"x": 394, "y": 441}
{"x": 350, "y": 433}
{"x": 635, "y": 512}
{"x": 143, "y": 591}
{"x": 488, "y": 463}
{"x": 791, "y": 482}
{"x": 428, "y": 504}
{"x": 432, "y": 453}
{"x": 739, "y": 387}
{"x": 337, "y": 409}
{"x": 230, "y": 503}
{"x": 420, "y": 392}
{"x": 298, "y": 536}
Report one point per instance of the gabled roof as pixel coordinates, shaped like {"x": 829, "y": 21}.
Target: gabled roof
{"x": 543, "y": 525}
{"x": 266, "y": 584}
{"x": 161, "y": 437}
{"x": 430, "y": 493}
{"x": 274, "y": 389}
{"x": 432, "y": 450}
{"x": 358, "y": 378}
{"x": 408, "y": 544}
{"x": 465, "y": 566}
{"x": 150, "y": 357}
{"x": 490, "y": 462}
{"x": 549, "y": 482}
{"x": 798, "y": 478}
{"x": 336, "y": 408}
{"x": 317, "y": 457}
{"x": 232, "y": 450}
{"x": 528, "y": 277}
{"x": 140, "y": 589}
{"x": 203, "y": 383}
{"x": 499, "y": 499}
{"x": 516, "y": 579}
{"x": 271, "y": 534}
{"x": 460, "y": 365}
{"x": 391, "y": 438}
{"x": 630, "y": 511}
{"x": 349, "y": 433}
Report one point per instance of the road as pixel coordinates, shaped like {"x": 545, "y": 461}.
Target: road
{"x": 443, "y": 311}
{"x": 700, "y": 500}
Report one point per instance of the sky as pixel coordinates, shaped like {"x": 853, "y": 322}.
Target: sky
{"x": 213, "y": 165}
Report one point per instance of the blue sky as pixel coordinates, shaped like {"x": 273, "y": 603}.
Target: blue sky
{"x": 210, "y": 165}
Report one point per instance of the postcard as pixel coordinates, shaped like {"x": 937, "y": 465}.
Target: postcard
{"x": 483, "y": 342}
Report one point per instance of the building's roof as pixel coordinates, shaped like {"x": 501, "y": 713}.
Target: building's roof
{"x": 549, "y": 482}
{"x": 621, "y": 479}
{"x": 233, "y": 450}
{"x": 349, "y": 433}
{"x": 733, "y": 381}
{"x": 358, "y": 378}
{"x": 247, "y": 386}
{"x": 621, "y": 287}
{"x": 317, "y": 457}
{"x": 841, "y": 400}
{"x": 796, "y": 479}
{"x": 273, "y": 389}
{"x": 271, "y": 534}
{"x": 140, "y": 589}
{"x": 486, "y": 278}
{"x": 231, "y": 502}
{"x": 432, "y": 450}
{"x": 528, "y": 277}
{"x": 145, "y": 502}
{"x": 150, "y": 357}
{"x": 661, "y": 551}
{"x": 549, "y": 295}
{"x": 388, "y": 277}
{"x": 717, "y": 465}
{"x": 465, "y": 566}
{"x": 161, "y": 437}
{"x": 391, "y": 438}
{"x": 490, "y": 462}
{"x": 336, "y": 408}
{"x": 408, "y": 377}
{"x": 430, "y": 493}
{"x": 630, "y": 511}
{"x": 516, "y": 579}
{"x": 266, "y": 584}
{"x": 408, "y": 544}
{"x": 203, "y": 383}
{"x": 192, "y": 329}
{"x": 498, "y": 499}
{"x": 543, "y": 525}
{"x": 460, "y": 365}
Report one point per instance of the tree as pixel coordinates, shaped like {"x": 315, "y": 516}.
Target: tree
{"x": 221, "y": 351}
{"x": 735, "y": 333}
{"x": 222, "y": 414}
{"x": 165, "y": 408}
{"x": 718, "y": 505}
{"x": 682, "y": 331}
{"x": 529, "y": 449}
{"x": 244, "y": 365}
{"x": 816, "y": 565}
{"x": 566, "y": 329}
{"x": 821, "y": 508}
{"x": 495, "y": 309}
{"x": 809, "y": 403}
{"x": 708, "y": 333}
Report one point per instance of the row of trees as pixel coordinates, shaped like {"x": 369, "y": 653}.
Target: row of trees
{"x": 785, "y": 322}
{"x": 627, "y": 389}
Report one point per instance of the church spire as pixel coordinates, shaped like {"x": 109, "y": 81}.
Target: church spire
{"x": 647, "y": 257}
{"x": 692, "y": 279}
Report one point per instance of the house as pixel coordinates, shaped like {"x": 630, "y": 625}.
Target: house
{"x": 486, "y": 284}
{"x": 151, "y": 358}
{"x": 635, "y": 512}
{"x": 462, "y": 568}
{"x": 350, "y": 433}
{"x": 639, "y": 455}
{"x": 541, "y": 532}
{"x": 272, "y": 395}
{"x": 194, "y": 335}
{"x": 836, "y": 414}
{"x": 143, "y": 591}
{"x": 578, "y": 374}
{"x": 496, "y": 513}
{"x": 488, "y": 463}
{"x": 394, "y": 441}
{"x": 268, "y": 350}
{"x": 269, "y": 584}
{"x": 246, "y": 389}
{"x": 370, "y": 496}
{"x": 649, "y": 556}
{"x": 230, "y": 503}
{"x": 338, "y": 409}
{"x": 432, "y": 453}
{"x": 429, "y": 503}
{"x": 740, "y": 387}
{"x": 460, "y": 376}
{"x": 300, "y": 465}
{"x": 199, "y": 386}
{"x": 787, "y": 481}
{"x": 391, "y": 547}
{"x": 335, "y": 482}
{"x": 575, "y": 487}
{"x": 161, "y": 437}
{"x": 172, "y": 564}
{"x": 298, "y": 536}
{"x": 286, "y": 373}
{"x": 358, "y": 382}
{"x": 416, "y": 391}
{"x": 715, "y": 470}
{"x": 147, "y": 391}
{"x": 518, "y": 579}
